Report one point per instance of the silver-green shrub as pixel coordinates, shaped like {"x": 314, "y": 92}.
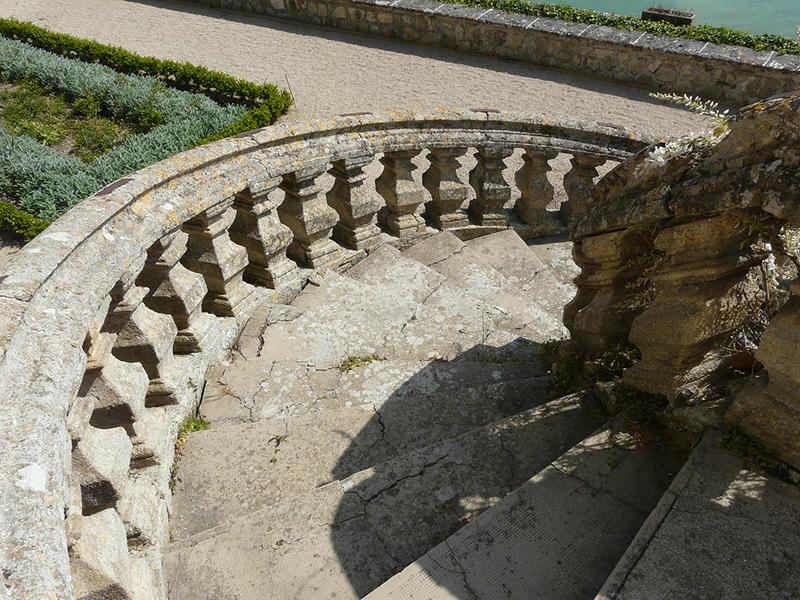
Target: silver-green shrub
{"x": 46, "y": 183}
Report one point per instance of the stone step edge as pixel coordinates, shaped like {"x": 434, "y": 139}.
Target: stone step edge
{"x": 201, "y": 536}
{"x": 636, "y": 549}
{"x": 610, "y": 424}
{"x": 511, "y": 289}
{"x": 233, "y": 423}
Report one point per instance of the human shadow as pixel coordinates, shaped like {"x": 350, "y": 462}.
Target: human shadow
{"x": 445, "y": 444}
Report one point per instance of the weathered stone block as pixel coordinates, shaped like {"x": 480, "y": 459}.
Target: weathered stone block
{"x": 99, "y": 560}
{"x": 306, "y": 212}
{"x": 101, "y": 461}
{"x": 491, "y": 190}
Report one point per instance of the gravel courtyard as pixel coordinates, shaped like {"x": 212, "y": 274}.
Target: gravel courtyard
{"x": 332, "y": 72}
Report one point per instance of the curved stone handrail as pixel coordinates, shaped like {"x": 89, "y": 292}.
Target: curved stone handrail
{"x": 105, "y": 317}
{"x": 671, "y": 255}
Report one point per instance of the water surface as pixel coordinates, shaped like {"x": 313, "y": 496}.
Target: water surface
{"x": 757, "y": 16}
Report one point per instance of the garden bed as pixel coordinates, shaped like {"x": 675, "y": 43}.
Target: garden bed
{"x": 76, "y": 115}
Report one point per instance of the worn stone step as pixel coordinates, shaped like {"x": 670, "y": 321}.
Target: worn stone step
{"x": 510, "y": 256}
{"x": 691, "y": 546}
{"x": 343, "y": 539}
{"x": 341, "y": 317}
{"x": 468, "y": 270}
{"x": 556, "y": 255}
{"x": 387, "y": 267}
{"x": 268, "y": 460}
{"x": 287, "y": 388}
{"x": 556, "y": 537}
{"x": 455, "y": 319}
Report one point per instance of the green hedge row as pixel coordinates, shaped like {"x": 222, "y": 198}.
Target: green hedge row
{"x": 20, "y": 223}
{"x": 702, "y": 33}
{"x": 266, "y": 101}
{"x": 135, "y": 99}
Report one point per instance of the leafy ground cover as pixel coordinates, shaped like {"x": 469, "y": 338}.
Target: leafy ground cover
{"x": 76, "y": 115}
{"x": 73, "y": 128}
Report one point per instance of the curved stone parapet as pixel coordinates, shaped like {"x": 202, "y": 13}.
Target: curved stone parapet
{"x": 110, "y": 319}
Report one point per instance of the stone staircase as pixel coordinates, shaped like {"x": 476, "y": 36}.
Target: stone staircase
{"x": 396, "y": 415}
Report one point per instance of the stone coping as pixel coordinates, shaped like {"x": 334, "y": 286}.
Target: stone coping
{"x": 54, "y": 286}
{"x": 732, "y": 74}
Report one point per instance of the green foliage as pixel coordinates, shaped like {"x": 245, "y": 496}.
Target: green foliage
{"x": 29, "y": 109}
{"x": 756, "y": 455}
{"x": 353, "y": 362}
{"x": 135, "y": 99}
{"x": 702, "y": 33}
{"x": 20, "y": 223}
{"x": 271, "y": 100}
{"x": 574, "y": 371}
{"x": 170, "y": 105}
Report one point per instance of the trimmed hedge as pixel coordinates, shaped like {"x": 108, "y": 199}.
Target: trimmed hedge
{"x": 702, "y": 33}
{"x": 20, "y": 223}
{"x": 267, "y": 101}
{"x": 136, "y": 99}
{"x": 144, "y": 90}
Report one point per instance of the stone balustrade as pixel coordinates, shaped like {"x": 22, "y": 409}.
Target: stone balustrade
{"x": 672, "y": 254}
{"x": 110, "y": 319}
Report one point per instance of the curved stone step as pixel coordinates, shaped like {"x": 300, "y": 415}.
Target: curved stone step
{"x": 507, "y": 253}
{"x": 246, "y": 391}
{"x": 717, "y": 506}
{"x": 467, "y": 269}
{"x": 345, "y": 538}
{"x": 556, "y": 255}
{"x": 556, "y": 537}
{"x": 230, "y": 470}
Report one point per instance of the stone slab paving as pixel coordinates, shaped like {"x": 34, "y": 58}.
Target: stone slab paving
{"x": 723, "y": 531}
{"x": 343, "y": 539}
{"x": 556, "y": 537}
{"x": 333, "y": 72}
{"x": 279, "y": 457}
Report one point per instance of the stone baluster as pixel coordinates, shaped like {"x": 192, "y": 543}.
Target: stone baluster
{"x": 146, "y": 337}
{"x": 537, "y": 193}
{"x": 99, "y": 560}
{"x": 491, "y": 190}
{"x": 701, "y": 293}
{"x": 447, "y": 191}
{"x": 403, "y": 195}
{"x": 578, "y": 183}
{"x": 608, "y": 297}
{"x": 356, "y": 202}
{"x": 211, "y": 253}
{"x": 258, "y": 228}
{"x": 306, "y": 212}
{"x": 768, "y": 408}
{"x": 175, "y": 291}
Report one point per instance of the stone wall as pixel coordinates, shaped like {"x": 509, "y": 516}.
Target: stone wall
{"x": 729, "y": 74}
{"x": 675, "y": 257}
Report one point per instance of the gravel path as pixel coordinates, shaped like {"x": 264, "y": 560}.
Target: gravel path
{"x": 332, "y": 72}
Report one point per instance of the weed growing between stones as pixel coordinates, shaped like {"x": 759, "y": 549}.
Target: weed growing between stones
{"x": 755, "y": 455}
{"x": 190, "y": 424}
{"x": 573, "y": 371}
{"x": 353, "y": 362}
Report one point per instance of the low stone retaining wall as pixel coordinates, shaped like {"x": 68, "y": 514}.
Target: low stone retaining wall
{"x": 729, "y": 74}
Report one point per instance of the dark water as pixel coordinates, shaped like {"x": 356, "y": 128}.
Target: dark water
{"x": 757, "y": 16}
